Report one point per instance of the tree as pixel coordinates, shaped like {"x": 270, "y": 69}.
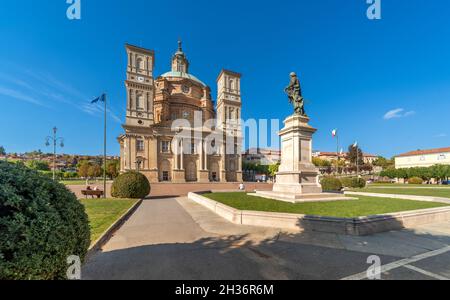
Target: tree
{"x": 355, "y": 153}
{"x": 318, "y": 162}
{"x": 83, "y": 169}
{"x": 389, "y": 173}
{"x": 112, "y": 168}
{"x": 273, "y": 169}
{"x": 95, "y": 171}
{"x": 2, "y": 151}
{"x": 440, "y": 172}
{"x": 384, "y": 162}
{"x": 38, "y": 165}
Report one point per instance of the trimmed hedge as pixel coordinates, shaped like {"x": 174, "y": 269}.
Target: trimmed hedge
{"x": 415, "y": 180}
{"x": 41, "y": 225}
{"x": 331, "y": 184}
{"x": 347, "y": 182}
{"x": 131, "y": 185}
{"x": 353, "y": 182}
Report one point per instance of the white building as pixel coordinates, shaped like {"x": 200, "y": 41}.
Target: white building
{"x": 423, "y": 158}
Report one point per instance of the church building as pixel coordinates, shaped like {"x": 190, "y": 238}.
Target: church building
{"x": 151, "y": 146}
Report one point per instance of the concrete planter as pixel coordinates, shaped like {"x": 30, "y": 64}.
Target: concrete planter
{"x": 345, "y": 226}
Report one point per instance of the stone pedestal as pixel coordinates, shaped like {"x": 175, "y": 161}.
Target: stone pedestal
{"x": 203, "y": 176}
{"x": 298, "y": 178}
{"x": 297, "y": 174}
{"x": 178, "y": 176}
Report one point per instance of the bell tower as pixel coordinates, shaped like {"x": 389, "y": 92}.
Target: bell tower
{"x": 229, "y": 100}
{"x": 229, "y": 121}
{"x": 140, "y": 86}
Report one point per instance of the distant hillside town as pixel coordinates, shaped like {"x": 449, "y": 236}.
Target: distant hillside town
{"x": 67, "y": 166}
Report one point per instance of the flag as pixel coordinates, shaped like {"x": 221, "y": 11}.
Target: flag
{"x": 355, "y": 145}
{"x": 101, "y": 99}
{"x": 334, "y": 132}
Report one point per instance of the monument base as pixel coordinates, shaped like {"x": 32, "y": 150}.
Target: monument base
{"x": 301, "y": 198}
{"x": 298, "y": 178}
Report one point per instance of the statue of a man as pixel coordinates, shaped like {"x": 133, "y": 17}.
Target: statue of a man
{"x": 294, "y": 92}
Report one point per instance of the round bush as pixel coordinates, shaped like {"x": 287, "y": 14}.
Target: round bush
{"x": 132, "y": 185}
{"x": 41, "y": 224}
{"x": 331, "y": 184}
{"x": 415, "y": 180}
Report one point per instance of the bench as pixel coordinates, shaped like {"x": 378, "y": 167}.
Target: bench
{"x": 92, "y": 193}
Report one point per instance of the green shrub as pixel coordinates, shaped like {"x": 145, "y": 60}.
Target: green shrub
{"x": 415, "y": 180}
{"x": 359, "y": 183}
{"x": 132, "y": 185}
{"x": 331, "y": 184}
{"x": 70, "y": 175}
{"x": 41, "y": 224}
{"x": 347, "y": 182}
{"x": 353, "y": 182}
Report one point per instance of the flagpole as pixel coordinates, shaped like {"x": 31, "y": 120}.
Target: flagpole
{"x": 104, "y": 153}
{"x": 357, "y": 161}
{"x": 337, "y": 153}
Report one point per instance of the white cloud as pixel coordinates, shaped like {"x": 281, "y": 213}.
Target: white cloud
{"x": 19, "y": 96}
{"x": 398, "y": 113}
{"x": 441, "y": 135}
{"x": 46, "y": 86}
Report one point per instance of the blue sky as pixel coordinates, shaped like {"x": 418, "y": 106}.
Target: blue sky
{"x": 385, "y": 83}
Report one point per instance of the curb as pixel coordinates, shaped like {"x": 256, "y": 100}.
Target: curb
{"x": 106, "y": 236}
{"x": 359, "y": 226}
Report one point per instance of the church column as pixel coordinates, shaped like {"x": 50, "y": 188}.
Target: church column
{"x": 175, "y": 154}
{"x": 206, "y": 156}
{"x": 178, "y": 175}
{"x": 223, "y": 172}
{"x": 203, "y": 174}
{"x": 239, "y": 161}
{"x": 200, "y": 155}
{"x": 182, "y": 155}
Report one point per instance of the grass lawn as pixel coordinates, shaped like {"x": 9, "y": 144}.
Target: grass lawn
{"x": 365, "y": 206}
{"x": 420, "y": 191}
{"x": 401, "y": 185}
{"x": 104, "y": 212}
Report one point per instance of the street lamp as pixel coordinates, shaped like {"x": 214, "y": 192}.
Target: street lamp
{"x": 139, "y": 162}
{"x": 53, "y": 139}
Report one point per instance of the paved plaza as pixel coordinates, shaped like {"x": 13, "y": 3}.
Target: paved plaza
{"x": 175, "y": 238}
{"x": 181, "y": 189}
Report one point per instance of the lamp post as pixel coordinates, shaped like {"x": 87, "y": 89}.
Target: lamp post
{"x": 139, "y": 162}
{"x": 53, "y": 139}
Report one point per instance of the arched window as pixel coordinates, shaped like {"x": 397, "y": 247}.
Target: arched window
{"x": 140, "y": 64}
{"x": 140, "y": 145}
{"x": 231, "y": 84}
